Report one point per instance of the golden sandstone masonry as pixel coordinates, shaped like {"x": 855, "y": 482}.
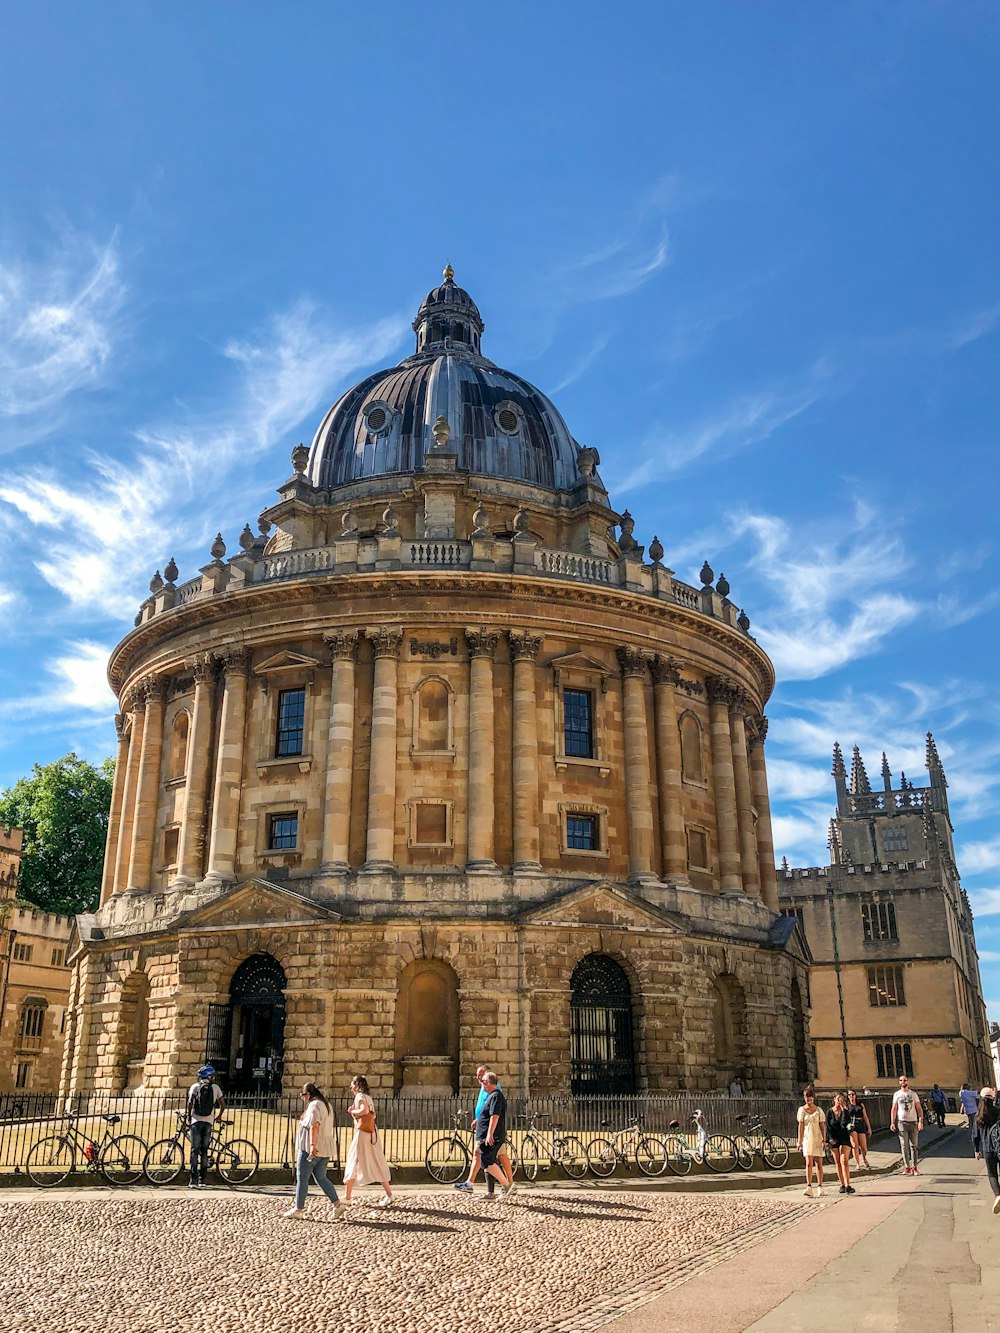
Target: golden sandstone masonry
{"x": 442, "y": 766}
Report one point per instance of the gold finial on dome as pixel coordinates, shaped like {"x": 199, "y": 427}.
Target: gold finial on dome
{"x": 449, "y": 273}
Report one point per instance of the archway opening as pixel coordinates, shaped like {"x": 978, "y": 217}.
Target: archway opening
{"x": 246, "y": 1040}
{"x": 602, "y": 1046}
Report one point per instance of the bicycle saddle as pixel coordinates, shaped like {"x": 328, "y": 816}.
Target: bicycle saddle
{"x": 604, "y": 1124}
{"x": 111, "y": 1119}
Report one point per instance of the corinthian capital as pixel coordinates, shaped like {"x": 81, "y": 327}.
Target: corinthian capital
{"x": 523, "y": 647}
{"x": 482, "y": 642}
{"x": 235, "y": 661}
{"x": 154, "y": 689}
{"x": 120, "y": 726}
{"x": 756, "y": 724}
{"x": 201, "y": 667}
{"x": 385, "y": 640}
{"x": 666, "y": 670}
{"x": 722, "y": 690}
{"x": 343, "y": 645}
{"x": 631, "y": 661}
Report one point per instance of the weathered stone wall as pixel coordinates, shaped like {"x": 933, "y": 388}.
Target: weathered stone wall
{"x": 40, "y": 981}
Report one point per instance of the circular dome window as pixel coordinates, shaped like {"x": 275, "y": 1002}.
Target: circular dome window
{"x": 507, "y": 418}
{"x": 376, "y": 419}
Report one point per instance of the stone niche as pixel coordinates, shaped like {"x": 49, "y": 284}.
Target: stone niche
{"x": 427, "y": 1030}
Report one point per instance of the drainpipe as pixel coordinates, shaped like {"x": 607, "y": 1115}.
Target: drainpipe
{"x": 840, "y": 986}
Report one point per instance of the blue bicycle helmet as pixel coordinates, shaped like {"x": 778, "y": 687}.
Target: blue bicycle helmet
{"x": 206, "y": 1071}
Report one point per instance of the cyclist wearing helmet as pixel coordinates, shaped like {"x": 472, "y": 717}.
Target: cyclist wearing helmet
{"x": 204, "y": 1102}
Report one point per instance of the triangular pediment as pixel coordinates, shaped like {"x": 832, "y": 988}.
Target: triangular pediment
{"x": 578, "y": 661}
{"x": 256, "y": 902}
{"x": 286, "y": 661}
{"x": 600, "y": 904}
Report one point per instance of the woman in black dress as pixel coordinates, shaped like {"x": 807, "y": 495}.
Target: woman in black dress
{"x": 986, "y": 1117}
{"x": 861, "y": 1128}
{"x": 839, "y": 1121}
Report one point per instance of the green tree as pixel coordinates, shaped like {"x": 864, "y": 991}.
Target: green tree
{"x": 63, "y": 809}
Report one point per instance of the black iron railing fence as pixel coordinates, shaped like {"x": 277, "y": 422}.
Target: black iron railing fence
{"x": 407, "y": 1125}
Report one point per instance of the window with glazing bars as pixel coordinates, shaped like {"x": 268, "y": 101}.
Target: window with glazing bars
{"x": 583, "y": 833}
{"x": 893, "y": 1059}
{"x": 282, "y": 832}
{"x": 894, "y": 840}
{"x": 32, "y": 1021}
{"x": 885, "y": 987}
{"x": 291, "y": 720}
{"x": 578, "y": 723}
{"x": 878, "y": 920}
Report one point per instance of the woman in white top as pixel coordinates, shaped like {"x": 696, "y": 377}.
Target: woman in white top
{"x": 314, "y": 1145}
{"x": 365, "y": 1159}
{"x": 812, "y": 1141}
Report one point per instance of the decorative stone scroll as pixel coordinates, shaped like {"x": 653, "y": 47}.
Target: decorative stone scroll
{"x": 434, "y": 649}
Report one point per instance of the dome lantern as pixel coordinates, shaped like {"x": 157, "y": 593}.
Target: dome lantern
{"x": 448, "y": 317}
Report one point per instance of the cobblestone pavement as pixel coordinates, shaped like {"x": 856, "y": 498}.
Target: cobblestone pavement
{"x": 548, "y": 1260}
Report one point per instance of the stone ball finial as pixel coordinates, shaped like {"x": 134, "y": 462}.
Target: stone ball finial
{"x": 480, "y": 519}
{"x": 263, "y": 525}
{"x": 348, "y": 522}
{"x": 743, "y": 620}
{"x": 626, "y": 542}
{"x": 656, "y": 550}
{"x": 441, "y": 432}
{"x": 246, "y": 538}
{"x": 138, "y": 619}
{"x": 218, "y": 547}
{"x": 170, "y": 572}
{"x": 300, "y": 459}
{"x": 587, "y": 459}
{"x": 707, "y": 574}
{"x": 155, "y": 583}
{"x": 722, "y": 587}
{"x": 521, "y": 521}
{"x": 390, "y": 522}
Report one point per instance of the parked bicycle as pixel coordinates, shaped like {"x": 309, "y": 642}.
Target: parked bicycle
{"x": 236, "y": 1160}
{"x": 716, "y": 1152}
{"x": 541, "y": 1148}
{"x": 449, "y": 1157}
{"x": 118, "y": 1157}
{"x": 757, "y": 1141}
{"x": 649, "y": 1150}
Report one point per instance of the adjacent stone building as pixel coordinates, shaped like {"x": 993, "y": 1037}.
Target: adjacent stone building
{"x": 34, "y": 982}
{"x": 441, "y": 766}
{"x": 895, "y": 976}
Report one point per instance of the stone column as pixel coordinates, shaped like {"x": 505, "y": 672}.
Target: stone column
{"x": 765, "y": 838}
{"x": 382, "y": 770}
{"x": 115, "y": 813}
{"x": 666, "y": 678}
{"x": 637, "y": 777}
{"x": 721, "y": 693}
{"x": 339, "y": 753}
{"x": 223, "y": 840}
{"x": 744, "y": 800}
{"x": 482, "y": 645}
{"x": 148, "y": 790}
{"x": 191, "y": 852}
{"x": 123, "y": 853}
{"x": 523, "y": 650}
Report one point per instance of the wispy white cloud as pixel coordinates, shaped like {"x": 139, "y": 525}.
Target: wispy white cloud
{"x": 76, "y": 683}
{"x": 985, "y": 902}
{"x": 976, "y": 857}
{"x": 59, "y": 322}
{"x": 621, "y": 267}
{"x": 582, "y": 363}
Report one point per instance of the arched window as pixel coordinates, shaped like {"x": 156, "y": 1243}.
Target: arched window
{"x": 458, "y": 333}
{"x": 432, "y": 728}
{"x": 601, "y": 1041}
{"x": 246, "y": 1038}
{"x": 177, "y": 766}
{"x": 427, "y": 1026}
{"x": 722, "y": 1026}
{"x": 692, "y": 752}
{"x": 133, "y": 1031}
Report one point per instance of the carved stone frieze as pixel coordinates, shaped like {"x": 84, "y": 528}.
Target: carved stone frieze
{"x": 434, "y": 648}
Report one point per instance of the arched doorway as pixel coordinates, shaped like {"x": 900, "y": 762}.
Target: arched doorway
{"x": 252, "y": 1029}
{"x": 602, "y": 1048}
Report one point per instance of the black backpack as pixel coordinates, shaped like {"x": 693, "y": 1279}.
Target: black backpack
{"x": 203, "y": 1100}
{"x": 993, "y": 1139}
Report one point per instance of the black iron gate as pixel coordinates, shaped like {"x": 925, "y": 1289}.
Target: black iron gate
{"x": 218, "y": 1038}
{"x": 601, "y": 1040}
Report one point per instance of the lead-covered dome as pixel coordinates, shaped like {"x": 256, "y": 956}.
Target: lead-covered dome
{"x": 500, "y": 425}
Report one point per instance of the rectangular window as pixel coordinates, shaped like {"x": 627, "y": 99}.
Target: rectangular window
{"x": 893, "y": 1058}
{"x": 878, "y": 921}
{"x": 22, "y": 953}
{"x": 583, "y": 833}
{"x": 32, "y": 1021}
{"x": 894, "y": 840}
{"x": 885, "y": 987}
{"x": 430, "y": 824}
{"x": 697, "y": 849}
{"x": 171, "y": 837}
{"x": 291, "y": 722}
{"x": 282, "y": 832}
{"x": 58, "y": 957}
{"x": 578, "y": 723}
{"x": 23, "y": 1077}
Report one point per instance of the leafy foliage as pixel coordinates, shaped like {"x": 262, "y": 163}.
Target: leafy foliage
{"x": 63, "y": 809}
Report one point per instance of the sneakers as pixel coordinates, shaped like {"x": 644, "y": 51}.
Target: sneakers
{"x": 192, "y": 1184}
{"x": 297, "y": 1213}
{"x": 996, "y": 1205}
{"x": 850, "y": 1190}
{"x": 386, "y": 1201}
{"x": 464, "y": 1187}
{"x": 843, "y": 1189}
{"x": 339, "y": 1209}
{"x": 509, "y": 1190}
{"x": 906, "y": 1171}
{"x": 808, "y": 1192}
{"x": 914, "y": 1172}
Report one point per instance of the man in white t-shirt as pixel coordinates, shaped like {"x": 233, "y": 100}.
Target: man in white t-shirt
{"x": 907, "y": 1118}
{"x": 204, "y": 1102}
{"x": 970, "y": 1105}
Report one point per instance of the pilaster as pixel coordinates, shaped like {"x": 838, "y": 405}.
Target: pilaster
{"x": 523, "y": 650}
{"x": 637, "y": 777}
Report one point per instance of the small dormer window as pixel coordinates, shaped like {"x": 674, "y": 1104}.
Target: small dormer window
{"x": 377, "y": 418}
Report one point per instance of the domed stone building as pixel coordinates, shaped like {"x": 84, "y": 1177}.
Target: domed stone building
{"x": 442, "y": 766}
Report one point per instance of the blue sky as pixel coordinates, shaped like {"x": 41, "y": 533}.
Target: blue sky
{"x": 750, "y": 250}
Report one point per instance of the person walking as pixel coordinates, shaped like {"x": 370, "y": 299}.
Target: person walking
{"x": 812, "y": 1141}
{"x": 938, "y": 1104}
{"x": 314, "y": 1146}
{"x": 986, "y": 1141}
{"x": 970, "y": 1105}
{"x": 366, "y": 1162}
{"x": 907, "y": 1120}
{"x": 839, "y": 1123}
{"x": 861, "y": 1128}
{"x": 466, "y": 1186}
{"x": 204, "y": 1102}
{"x": 491, "y": 1135}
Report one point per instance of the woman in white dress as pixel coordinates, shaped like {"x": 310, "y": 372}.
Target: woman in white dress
{"x": 366, "y": 1162}
{"x": 812, "y": 1141}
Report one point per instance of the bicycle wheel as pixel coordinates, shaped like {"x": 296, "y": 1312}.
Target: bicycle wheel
{"x": 680, "y": 1159}
{"x": 573, "y": 1157}
{"x": 651, "y": 1155}
{"x": 447, "y": 1160}
{"x": 720, "y": 1153}
{"x": 122, "y": 1159}
{"x": 775, "y": 1152}
{"x": 50, "y": 1160}
{"x": 164, "y": 1162}
{"x": 744, "y": 1152}
{"x": 601, "y": 1157}
{"x": 237, "y": 1161}
{"x": 529, "y": 1157}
